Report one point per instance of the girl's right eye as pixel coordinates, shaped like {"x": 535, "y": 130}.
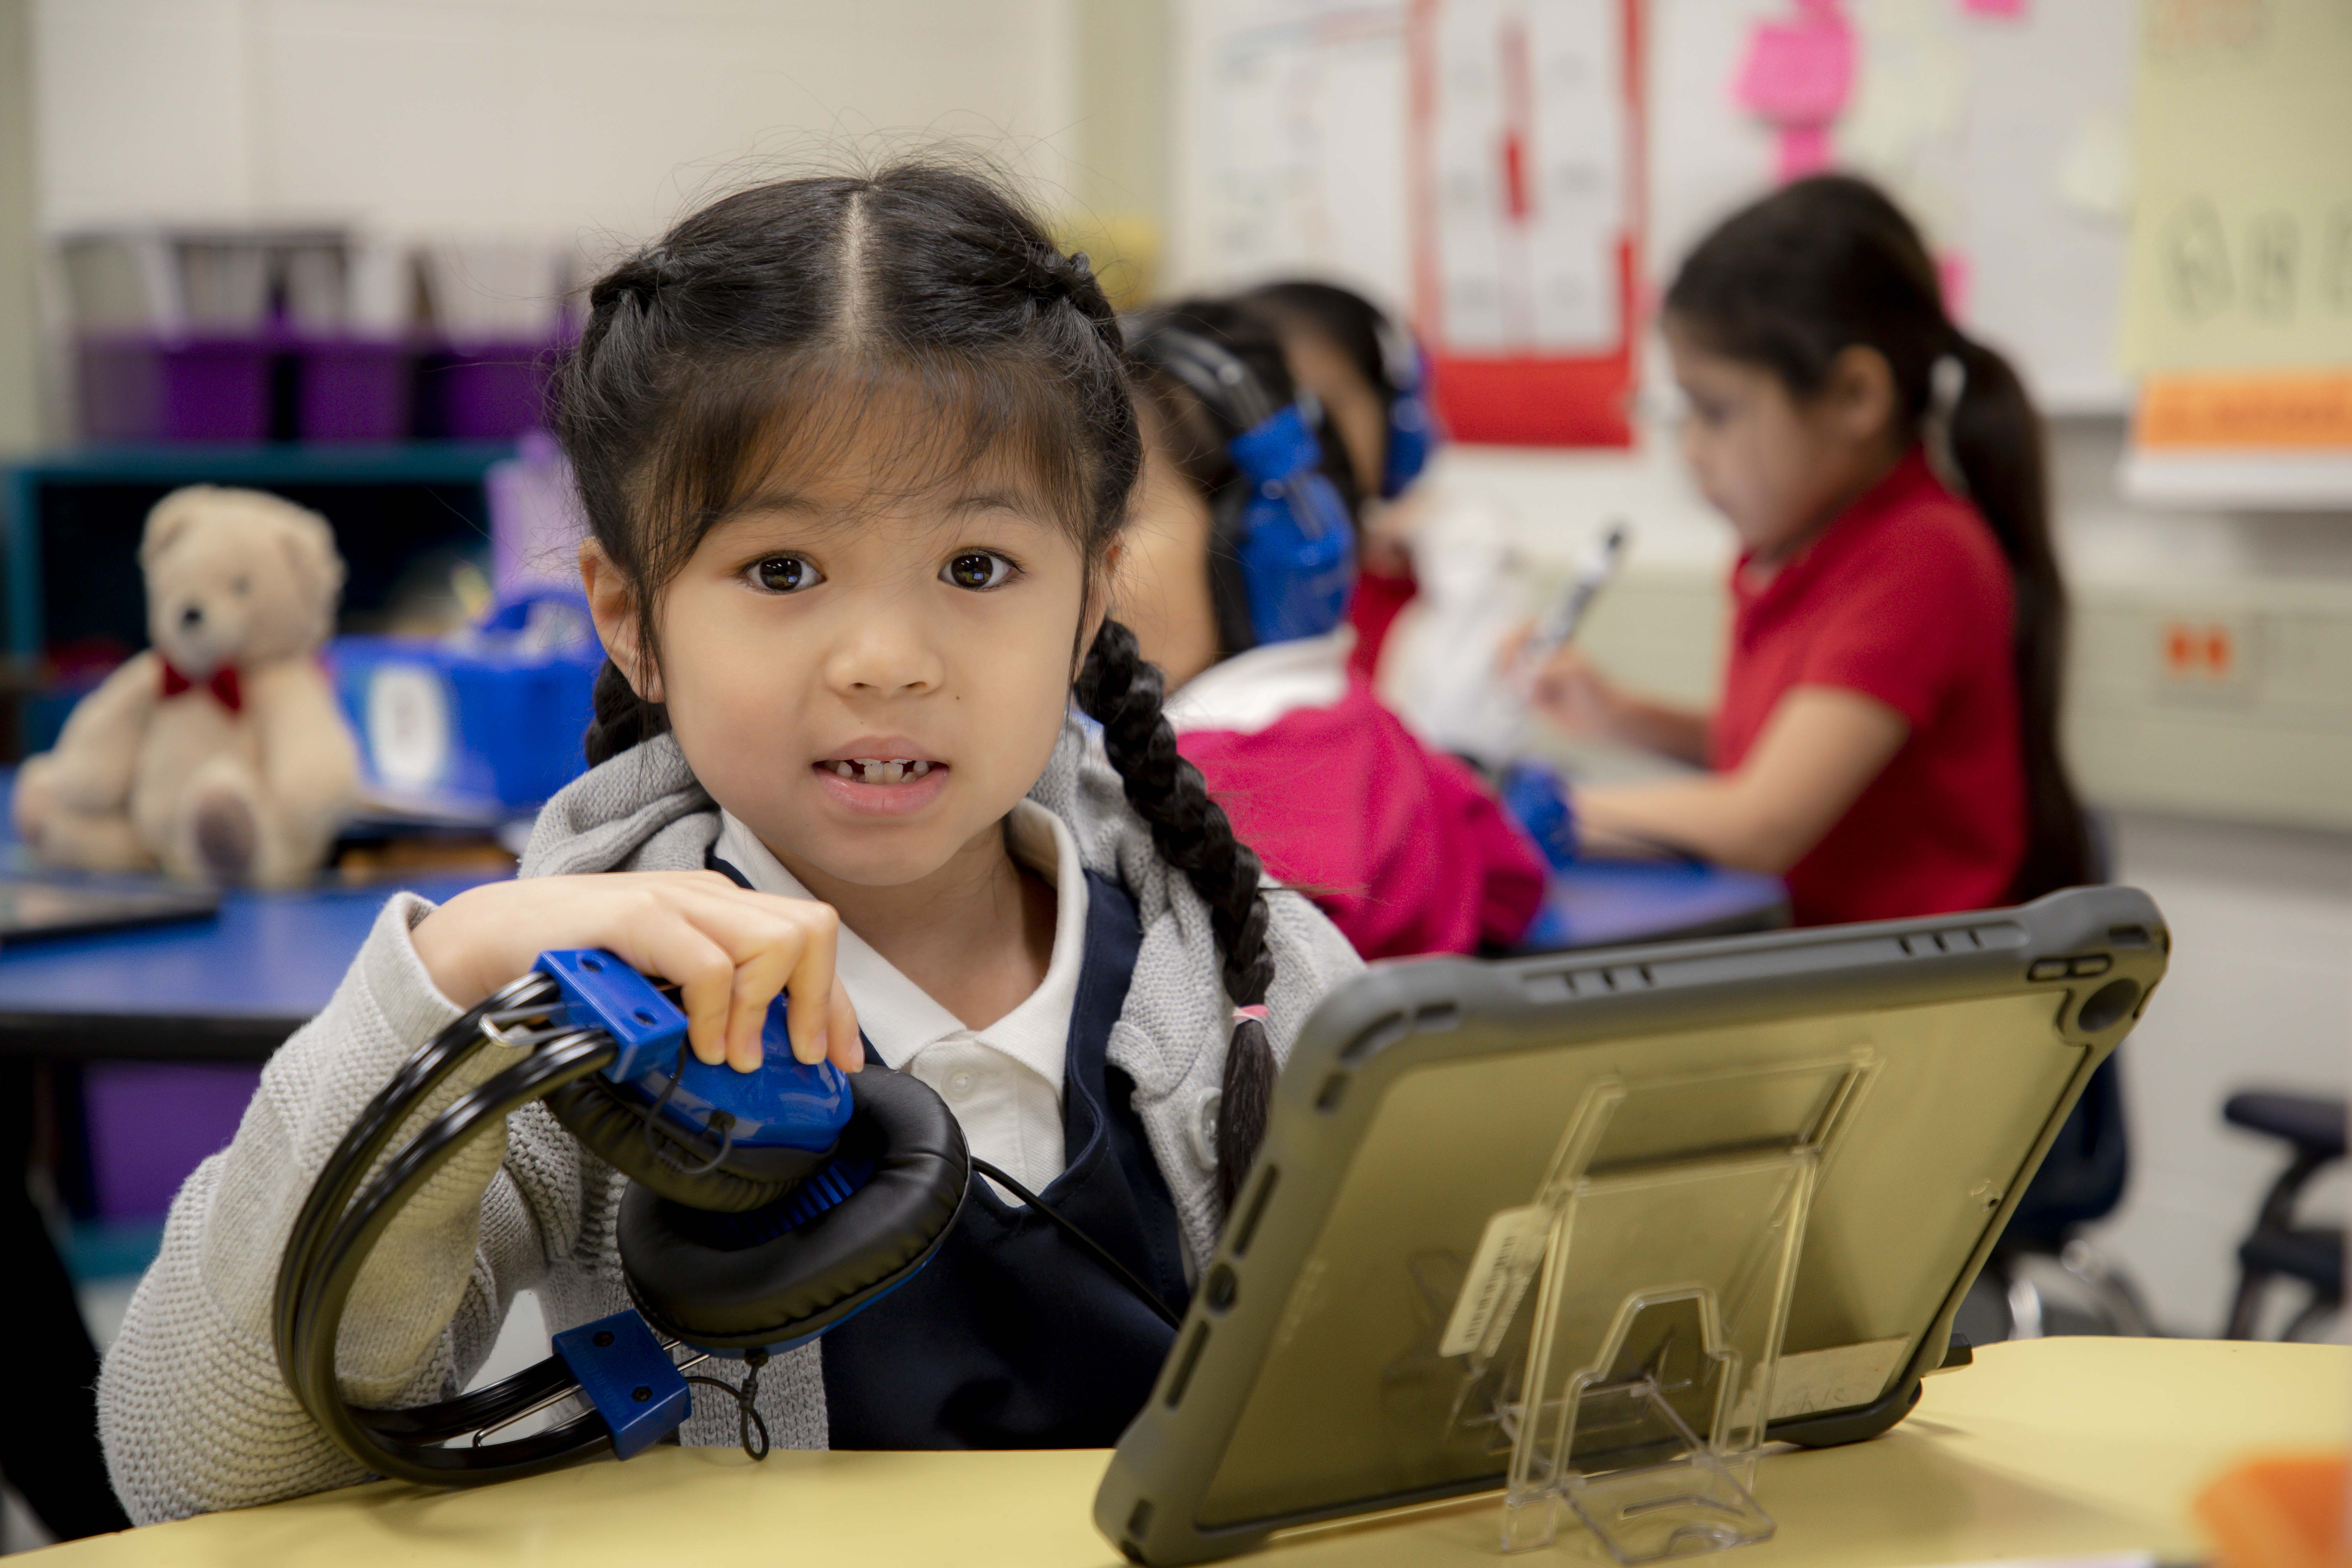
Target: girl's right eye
{"x": 784, "y": 573}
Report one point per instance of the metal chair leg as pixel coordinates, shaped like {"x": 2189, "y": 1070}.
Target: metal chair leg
{"x": 2246, "y": 1308}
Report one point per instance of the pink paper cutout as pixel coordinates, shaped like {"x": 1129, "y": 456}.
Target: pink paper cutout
{"x": 1804, "y": 150}
{"x": 2012, "y": 8}
{"x": 1800, "y": 72}
{"x": 1952, "y": 273}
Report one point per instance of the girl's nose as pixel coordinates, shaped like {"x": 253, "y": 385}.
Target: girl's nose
{"x": 884, "y": 654}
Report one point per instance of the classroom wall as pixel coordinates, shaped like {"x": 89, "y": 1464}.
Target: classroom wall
{"x": 515, "y": 117}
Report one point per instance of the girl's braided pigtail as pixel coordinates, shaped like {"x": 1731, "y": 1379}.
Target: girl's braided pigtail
{"x": 1121, "y": 691}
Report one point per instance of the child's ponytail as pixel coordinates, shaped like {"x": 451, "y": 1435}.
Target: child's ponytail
{"x": 1825, "y": 264}
{"x": 1122, "y": 690}
{"x": 1995, "y": 438}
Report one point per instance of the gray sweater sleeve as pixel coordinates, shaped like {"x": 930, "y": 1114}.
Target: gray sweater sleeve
{"x": 192, "y": 1408}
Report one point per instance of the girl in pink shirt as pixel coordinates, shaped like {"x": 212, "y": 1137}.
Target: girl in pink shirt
{"x": 1404, "y": 849}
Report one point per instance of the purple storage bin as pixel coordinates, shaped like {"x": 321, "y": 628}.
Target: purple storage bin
{"x": 141, "y": 387}
{"x": 353, "y": 389}
{"x": 487, "y": 392}
{"x": 151, "y": 1123}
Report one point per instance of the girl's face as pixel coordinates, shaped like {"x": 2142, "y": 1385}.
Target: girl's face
{"x": 869, "y": 680}
{"x": 1777, "y": 468}
{"x": 1358, "y": 410}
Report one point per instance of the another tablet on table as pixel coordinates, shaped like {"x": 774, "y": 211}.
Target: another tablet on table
{"x": 37, "y": 907}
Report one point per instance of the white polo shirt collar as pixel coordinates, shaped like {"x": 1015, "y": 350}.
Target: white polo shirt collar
{"x": 1255, "y": 690}
{"x": 899, "y": 1017}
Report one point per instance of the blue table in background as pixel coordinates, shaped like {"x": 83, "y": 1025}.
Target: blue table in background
{"x": 1612, "y": 903}
{"x": 233, "y": 987}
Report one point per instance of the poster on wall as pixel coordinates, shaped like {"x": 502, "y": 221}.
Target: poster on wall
{"x": 1301, "y": 117}
{"x": 2241, "y": 229}
{"x": 1524, "y": 155}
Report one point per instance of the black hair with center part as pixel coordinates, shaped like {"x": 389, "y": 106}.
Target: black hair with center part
{"x": 925, "y": 303}
{"x": 1829, "y": 263}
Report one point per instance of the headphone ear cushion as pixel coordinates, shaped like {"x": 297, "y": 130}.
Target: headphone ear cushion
{"x": 784, "y": 1288}
{"x": 612, "y": 1124}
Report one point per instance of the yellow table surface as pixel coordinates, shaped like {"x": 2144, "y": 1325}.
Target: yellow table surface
{"x": 2051, "y": 1448}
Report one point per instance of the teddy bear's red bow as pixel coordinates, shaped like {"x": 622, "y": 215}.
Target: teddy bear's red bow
{"x": 223, "y": 684}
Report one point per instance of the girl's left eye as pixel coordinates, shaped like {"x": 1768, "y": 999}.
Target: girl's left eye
{"x": 785, "y": 573}
{"x": 977, "y": 568}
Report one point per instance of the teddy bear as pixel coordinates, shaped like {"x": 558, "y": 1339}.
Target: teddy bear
{"x": 219, "y": 753}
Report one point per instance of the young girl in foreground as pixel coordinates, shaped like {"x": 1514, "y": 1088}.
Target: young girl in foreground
{"x": 1404, "y": 847}
{"x": 854, "y": 455}
{"x": 1887, "y": 735}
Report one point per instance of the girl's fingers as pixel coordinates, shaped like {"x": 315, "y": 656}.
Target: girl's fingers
{"x": 777, "y": 944}
{"x": 757, "y": 977}
{"x": 843, "y": 1041}
{"x": 812, "y": 978}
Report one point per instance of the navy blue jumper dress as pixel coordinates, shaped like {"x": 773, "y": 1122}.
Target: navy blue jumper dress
{"x": 1012, "y": 1337}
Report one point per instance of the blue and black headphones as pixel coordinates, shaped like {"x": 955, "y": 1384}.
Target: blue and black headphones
{"x": 763, "y": 1209}
{"x": 1283, "y": 563}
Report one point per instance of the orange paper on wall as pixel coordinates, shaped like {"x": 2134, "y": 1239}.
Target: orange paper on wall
{"x": 2268, "y": 410}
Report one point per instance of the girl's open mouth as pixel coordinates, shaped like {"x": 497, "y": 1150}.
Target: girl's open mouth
{"x": 878, "y": 769}
{"x": 881, "y": 786}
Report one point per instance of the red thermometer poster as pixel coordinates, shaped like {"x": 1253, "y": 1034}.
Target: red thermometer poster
{"x": 1526, "y": 168}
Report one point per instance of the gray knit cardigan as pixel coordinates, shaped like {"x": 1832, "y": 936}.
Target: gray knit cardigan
{"x": 192, "y": 1408}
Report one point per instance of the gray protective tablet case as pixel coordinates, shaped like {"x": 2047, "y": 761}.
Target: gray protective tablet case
{"x": 1426, "y": 1098}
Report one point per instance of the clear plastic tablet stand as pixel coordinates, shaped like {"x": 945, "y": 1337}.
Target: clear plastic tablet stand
{"x": 1670, "y": 1225}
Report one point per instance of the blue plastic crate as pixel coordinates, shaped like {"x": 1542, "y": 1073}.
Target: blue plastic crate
{"x": 490, "y": 720}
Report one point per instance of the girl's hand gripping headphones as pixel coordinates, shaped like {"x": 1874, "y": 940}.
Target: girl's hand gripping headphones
{"x": 764, "y": 1208}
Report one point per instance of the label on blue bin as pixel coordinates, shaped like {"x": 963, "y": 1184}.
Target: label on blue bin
{"x": 406, "y": 725}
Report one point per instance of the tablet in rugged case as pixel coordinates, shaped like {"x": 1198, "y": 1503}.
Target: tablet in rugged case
{"x": 1426, "y": 1099}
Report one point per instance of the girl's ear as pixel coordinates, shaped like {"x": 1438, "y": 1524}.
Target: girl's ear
{"x": 1859, "y": 393}
{"x": 612, "y": 605}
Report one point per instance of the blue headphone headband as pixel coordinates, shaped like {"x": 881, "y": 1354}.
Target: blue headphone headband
{"x": 1292, "y": 538}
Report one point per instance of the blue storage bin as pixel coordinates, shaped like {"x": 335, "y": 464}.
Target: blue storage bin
{"x": 486, "y": 723}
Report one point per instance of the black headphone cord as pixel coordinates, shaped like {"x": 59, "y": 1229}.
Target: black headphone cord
{"x": 1086, "y": 1244}
{"x": 748, "y": 1418}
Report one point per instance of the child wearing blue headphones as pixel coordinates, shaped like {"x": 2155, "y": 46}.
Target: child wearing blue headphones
{"x": 1238, "y": 578}
{"x": 1367, "y": 373}
{"x": 856, "y": 453}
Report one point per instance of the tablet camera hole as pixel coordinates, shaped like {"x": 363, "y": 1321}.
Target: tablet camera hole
{"x": 1222, "y": 1289}
{"x": 2110, "y": 1005}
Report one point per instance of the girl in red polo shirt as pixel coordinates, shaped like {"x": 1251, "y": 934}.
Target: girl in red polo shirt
{"x": 1887, "y": 736}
